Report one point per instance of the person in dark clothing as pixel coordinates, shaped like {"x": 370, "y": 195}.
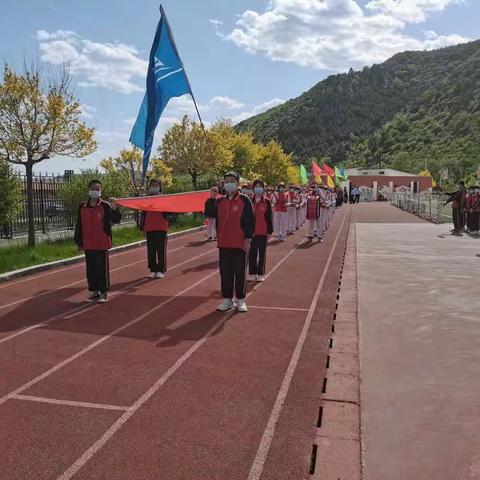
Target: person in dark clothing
{"x": 458, "y": 199}
{"x": 235, "y": 229}
{"x": 93, "y": 235}
{"x": 263, "y": 229}
{"x": 155, "y": 226}
{"x": 345, "y": 195}
{"x": 210, "y": 212}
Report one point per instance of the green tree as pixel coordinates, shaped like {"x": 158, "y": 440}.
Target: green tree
{"x": 10, "y": 193}
{"x": 274, "y": 164}
{"x": 40, "y": 119}
{"x": 129, "y": 164}
{"x": 185, "y": 150}
{"x": 74, "y": 192}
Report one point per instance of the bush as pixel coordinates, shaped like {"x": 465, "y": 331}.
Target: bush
{"x": 10, "y": 193}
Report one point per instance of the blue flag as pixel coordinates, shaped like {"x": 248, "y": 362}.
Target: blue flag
{"x": 166, "y": 79}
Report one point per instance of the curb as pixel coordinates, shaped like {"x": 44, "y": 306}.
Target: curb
{"x": 23, "y": 272}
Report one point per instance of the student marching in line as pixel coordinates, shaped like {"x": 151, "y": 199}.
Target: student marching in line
{"x": 210, "y": 212}
{"x": 322, "y": 194}
{"x": 155, "y": 225}
{"x": 263, "y": 229}
{"x": 291, "y": 210}
{"x": 313, "y": 215}
{"x": 280, "y": 218}
{"x": 93, "y": 235}
{"x": 235, "y": 229}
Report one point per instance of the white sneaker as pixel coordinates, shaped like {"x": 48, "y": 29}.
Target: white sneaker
{"x": 260, "y": 278}
{"x": 252, "y": 278}
{"x": 159, "y": 275}
{"x": 102, "y": 298}
{"x": 226, "y": 305}
{"x": 242, "y": 306}
{"x": 152, "y": 275}
{"x": 93, "y": 297}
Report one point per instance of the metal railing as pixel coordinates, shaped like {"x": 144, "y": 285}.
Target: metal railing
{"x": 430, "y": 206}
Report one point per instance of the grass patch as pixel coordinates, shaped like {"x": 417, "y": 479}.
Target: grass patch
{"x": 20, "y": 256}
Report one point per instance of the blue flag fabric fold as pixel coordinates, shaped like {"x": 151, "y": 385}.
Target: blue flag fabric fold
{"x": 166, "y": 78}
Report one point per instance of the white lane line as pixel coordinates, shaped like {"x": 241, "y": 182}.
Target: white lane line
{"x": 84, "y": 308}
{"x": 94, "y": 448}
{"x": 285, "y": 309}
{"x": 267, "y": 437}
{"x": 69, "y": 403}
{"x": 79, "y": 309}
{"x": 91, "y": 307}
{"x": 63, "y": 287}
{"x": 101, "y": 340}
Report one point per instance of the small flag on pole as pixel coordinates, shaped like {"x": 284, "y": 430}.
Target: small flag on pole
{"x": 328, "y": 170}
{"x": 317, "y": 172}
{"x": 303, "y": 175}
{"x": 166, "y": 78}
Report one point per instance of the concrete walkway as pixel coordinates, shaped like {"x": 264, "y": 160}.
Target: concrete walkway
{"x": 419, "y": 319}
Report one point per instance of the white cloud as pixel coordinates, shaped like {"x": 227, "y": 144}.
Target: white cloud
{"x": 262, "y": 107}
{"x": 336, "y": 34}
{"x": 410, "y": 10}
{"x": 114, "y": 66}
{"x": 216, "y": 22}
{"x": 88, "y": 111}
{"x": 225, "y": 103}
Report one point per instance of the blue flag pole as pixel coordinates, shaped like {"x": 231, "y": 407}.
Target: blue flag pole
{"x": 166, "y": 78}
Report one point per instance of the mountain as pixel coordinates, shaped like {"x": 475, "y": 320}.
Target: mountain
{"x": 383, "y": 113}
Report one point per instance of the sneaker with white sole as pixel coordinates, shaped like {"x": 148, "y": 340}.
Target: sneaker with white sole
{"x": 252, "y": 278}
{"x": 260, "y": 278}
{"x": 102, "y": 298}
{"x": 93, "y": 297}
{"x": 159, "y": 275}
{"x": 153, "y": 275}
{"x": 226, "y": 305}
{"x": 242, "y": 306}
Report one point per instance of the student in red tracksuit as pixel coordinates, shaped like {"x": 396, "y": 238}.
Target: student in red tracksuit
{"x": 263, "y": 228}
{"x": 313, "y": 214}
{"x": 155, "y": 225}
{"x": 93, "y": 235}
{"x": 235, "y": 228}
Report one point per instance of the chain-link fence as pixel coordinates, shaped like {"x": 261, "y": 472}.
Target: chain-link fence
{"x": 430, "y": 206}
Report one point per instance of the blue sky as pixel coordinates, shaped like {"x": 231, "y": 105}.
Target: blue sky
{"x": 242, "y": 56}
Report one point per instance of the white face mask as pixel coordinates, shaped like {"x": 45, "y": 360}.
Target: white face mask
{"x": 231, "y": 187}
{"x": 94, "y": 194}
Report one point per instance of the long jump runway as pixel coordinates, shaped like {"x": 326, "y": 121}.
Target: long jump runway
{"x": 156, "y": 384}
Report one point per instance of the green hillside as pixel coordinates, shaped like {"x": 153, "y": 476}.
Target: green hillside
{"x": 415, "y": 106}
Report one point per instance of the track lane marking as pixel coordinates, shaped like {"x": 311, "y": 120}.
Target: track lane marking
{"x": 69, "y": 403}
{"x": 258, "y": 464}
{"x": 84, "y": 308}
{"x": 95, "y": 447}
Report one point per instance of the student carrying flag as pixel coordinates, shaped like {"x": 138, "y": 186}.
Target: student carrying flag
{"x": 93, "y": 235}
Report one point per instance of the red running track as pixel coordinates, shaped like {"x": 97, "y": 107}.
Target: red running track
{"x": 158, "y": 385}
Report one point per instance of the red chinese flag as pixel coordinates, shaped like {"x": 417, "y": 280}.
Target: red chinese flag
{"x": 317, "y": 171}
{"x": 177, "y": 203}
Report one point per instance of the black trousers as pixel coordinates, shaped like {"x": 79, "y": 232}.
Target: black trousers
{"x": 258, "y": 255}
{"x": 233, "y": 266}
{"x": 157, "y": 251}
{"x": 98, "y": 270}
{"x": 357, "y": 198}
{"x": 458, "y": 218}
{"x": 473, "y": 221}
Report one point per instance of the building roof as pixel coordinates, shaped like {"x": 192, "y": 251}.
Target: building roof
{"x": 387, "y": 172}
